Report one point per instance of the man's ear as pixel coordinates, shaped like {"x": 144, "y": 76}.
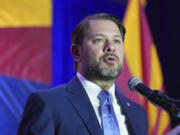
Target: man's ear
{"x": 75, "y": 50}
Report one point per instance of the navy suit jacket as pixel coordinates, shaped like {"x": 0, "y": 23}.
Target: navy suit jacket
{"x": 67, "y": 110}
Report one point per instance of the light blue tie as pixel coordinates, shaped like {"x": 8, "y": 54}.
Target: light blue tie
{"x": 109, "y": 121}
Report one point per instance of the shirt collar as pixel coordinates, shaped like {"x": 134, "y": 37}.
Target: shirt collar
{"x": 93, "y": 90}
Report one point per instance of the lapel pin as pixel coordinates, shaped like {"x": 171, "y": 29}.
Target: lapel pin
{"x": 128, "y": 104}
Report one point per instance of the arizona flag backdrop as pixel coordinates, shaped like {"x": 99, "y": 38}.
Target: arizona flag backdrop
{"x": 35, "y": 39}
{"x": 142, "y": 61}
{"x": 25, "y": 56}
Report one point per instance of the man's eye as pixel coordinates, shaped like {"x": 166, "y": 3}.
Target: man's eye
{"x": 98, "y": 40}
{"x": 117, "y": 41}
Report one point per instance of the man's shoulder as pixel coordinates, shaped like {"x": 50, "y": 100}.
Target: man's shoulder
{"x": 55, "y": 90}
{"x": 56, "y": 93}
{"x": 48, "y": 95}
{"x": 51, "y": 91}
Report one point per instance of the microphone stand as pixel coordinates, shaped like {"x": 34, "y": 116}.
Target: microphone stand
{"x": 166, "y": 103}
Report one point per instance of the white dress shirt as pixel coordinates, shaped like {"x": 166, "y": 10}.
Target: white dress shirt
{"x": 92, "y": 91}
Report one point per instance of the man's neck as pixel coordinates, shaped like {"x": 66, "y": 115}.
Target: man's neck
{"x": 104, "y": 84}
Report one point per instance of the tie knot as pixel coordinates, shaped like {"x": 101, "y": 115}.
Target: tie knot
{"x": 104, "y": 95}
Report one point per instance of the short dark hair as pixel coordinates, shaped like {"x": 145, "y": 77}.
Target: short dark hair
{"x": 82, "y": 28}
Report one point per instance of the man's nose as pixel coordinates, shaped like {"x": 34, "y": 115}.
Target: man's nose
{"x": 109, "y": 47}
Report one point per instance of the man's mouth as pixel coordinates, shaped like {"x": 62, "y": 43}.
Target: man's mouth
{"x": 110, "y": 59}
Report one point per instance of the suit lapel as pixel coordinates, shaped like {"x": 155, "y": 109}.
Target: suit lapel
{"x": 126, "y": 110}
{"x": 81, "y": 103}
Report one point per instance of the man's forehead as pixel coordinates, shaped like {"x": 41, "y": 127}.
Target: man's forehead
{"x": 102, "y": 27}
{"x": 99, "y": 21}
{"x": 103, "y": 24}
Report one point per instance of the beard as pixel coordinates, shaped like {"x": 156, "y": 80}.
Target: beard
{"x": 96, "y": 71}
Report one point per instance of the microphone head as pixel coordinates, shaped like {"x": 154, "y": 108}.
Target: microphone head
{"x": 133, "y": 82}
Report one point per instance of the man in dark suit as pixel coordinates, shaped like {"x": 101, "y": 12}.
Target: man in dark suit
{"x": 90, "y": 104}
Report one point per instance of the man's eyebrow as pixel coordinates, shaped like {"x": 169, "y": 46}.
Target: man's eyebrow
{"x": 103, "y": 35}
{"x": 94, "y": 35}
{"x": 117, "y": 35}
{"x": 99, "y": 34}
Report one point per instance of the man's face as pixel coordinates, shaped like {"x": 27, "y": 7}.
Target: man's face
{"x": 102, "y": 51}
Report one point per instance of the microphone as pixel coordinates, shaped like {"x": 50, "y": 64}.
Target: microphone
{"x": 154, "y": 96}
